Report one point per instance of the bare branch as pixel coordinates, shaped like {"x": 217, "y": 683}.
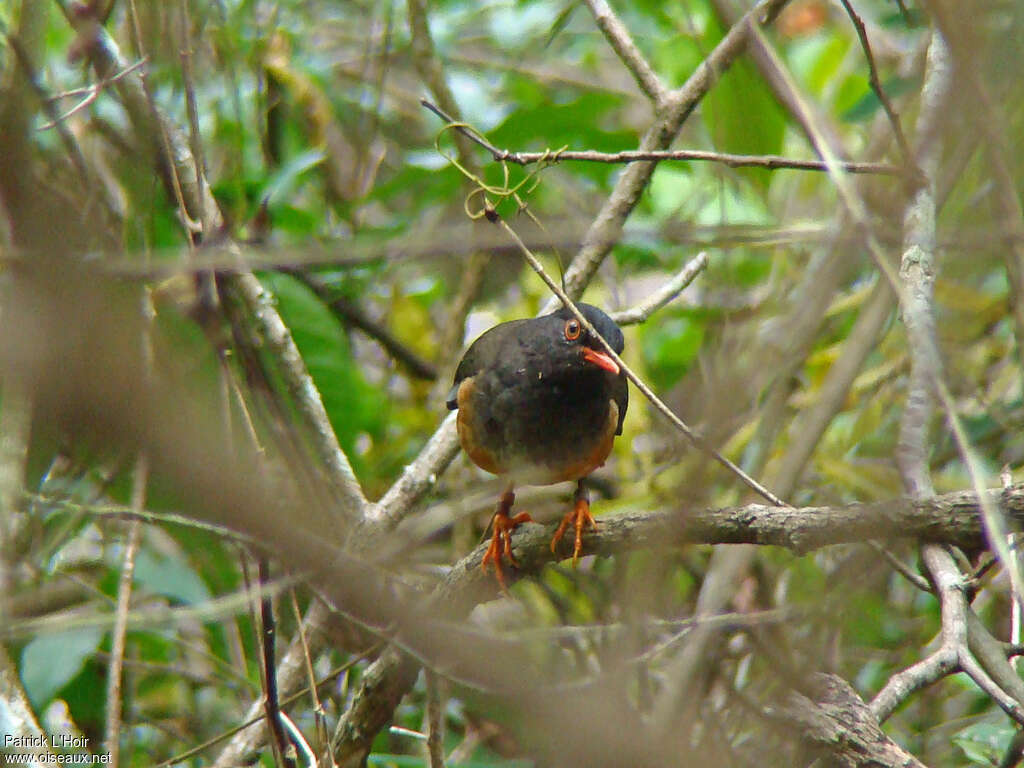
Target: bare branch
{"x": 876, "y": 84}
{"x": 621, "y": 42}
{"x": 902, "y": 685}
{"x": 952, "y": 518}
{"x": 268, "y": 646}
{"x": 431, "y": 72}
{"x": 810, "y": 424}
{"x": 925, "y": 380}
{"x": 902, "y": 568}
{"x": 199, "y": 204}
{"x": 606, "y": 227}
{"x": 112, "y": 734}
{"x": 435, "y": 717}
{"x": 417, "y": 478}
{"x": 352, "y": 313}
{"x": 837, "y": 723}
{"x": 90, "y": 93}
{"x": 769, "y": 162}
{"x": 665, "y": 294}
{"x": 989, "y": 119}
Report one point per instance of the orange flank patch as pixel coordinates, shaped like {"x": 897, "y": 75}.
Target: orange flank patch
{"x": 471, "y": 443}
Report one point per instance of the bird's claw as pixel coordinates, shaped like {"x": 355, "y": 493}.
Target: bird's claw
{"x": 501, "y": 539}
{"x": 579, "y": 516}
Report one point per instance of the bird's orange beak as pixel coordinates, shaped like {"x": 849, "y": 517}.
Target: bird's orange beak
{"x": 601, "y": 360}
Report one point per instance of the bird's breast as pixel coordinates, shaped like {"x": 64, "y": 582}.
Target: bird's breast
{"x": 538, "y": 428}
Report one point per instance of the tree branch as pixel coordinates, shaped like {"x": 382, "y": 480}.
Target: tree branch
{"x": 876, "y": 84}
{"x": 618, "y": 38}
{"x": 665, "y": 294}
{"x": 837, "y": 723}
{"x": 769, "y": 162}
{"x": 606, "y": 228}
{"x": 175, "y": 159}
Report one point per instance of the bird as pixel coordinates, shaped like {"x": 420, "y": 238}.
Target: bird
{"x": 540, "y": 401}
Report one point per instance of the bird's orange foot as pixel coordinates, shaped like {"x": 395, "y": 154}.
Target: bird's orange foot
{"x": 579, "y": 517}
{"x": 501, "y": 539}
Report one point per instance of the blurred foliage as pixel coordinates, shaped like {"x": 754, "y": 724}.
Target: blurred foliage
{"x": 319, "y": 153}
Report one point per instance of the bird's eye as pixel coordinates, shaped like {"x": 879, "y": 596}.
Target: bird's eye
{"x": 572, "y": 329}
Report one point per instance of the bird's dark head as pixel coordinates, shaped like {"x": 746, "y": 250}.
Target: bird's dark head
{"x": 575, "y": 339}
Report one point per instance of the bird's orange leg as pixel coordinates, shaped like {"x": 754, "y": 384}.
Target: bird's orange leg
{"x": 579, "y": 516}
{"x": 501, "y": 539}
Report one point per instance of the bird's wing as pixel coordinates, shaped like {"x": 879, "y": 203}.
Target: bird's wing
{"x": 620, "y": 393}
{"x": 483, "y": 353}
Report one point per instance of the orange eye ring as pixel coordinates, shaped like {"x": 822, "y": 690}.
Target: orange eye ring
{"x": 572, "y": 329}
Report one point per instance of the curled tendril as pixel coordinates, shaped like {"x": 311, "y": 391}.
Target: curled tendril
{"x": 501, "y": 192}
{"x": 484, "y": 208}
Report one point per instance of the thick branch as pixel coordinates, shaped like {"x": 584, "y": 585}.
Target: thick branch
{"x": 952, "y": 518}
{"x": 837, "y": 723}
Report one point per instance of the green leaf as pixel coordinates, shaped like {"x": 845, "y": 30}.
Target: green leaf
{"x": 743, "y": 117}
{"x": 819, "y": 58}
{"x": 171, "y": 577}
{"x": 286, "y": 178}
{"x": 984, "y": 743}
{"x": 868, "y": 104}
{"x": 49, "y": 662}
{"x": 670, "y": 347}
{"x": 352, "y": 405}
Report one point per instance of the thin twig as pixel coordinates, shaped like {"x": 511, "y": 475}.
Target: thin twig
{"x": 934, "y": 95}
{"x": 319, "y": 713}
{"x": 665, "y": 294}
{"x": 194, "y": 134}
{"x": 659, "y": 406}
{"x": 435, "y": 721}
{"x": 902, "y": 568}
{"x": 193, "y": 195}
{"x": 430, "y": 69}
{"x": 770, "y": 162}
{"x": 49, "y": 502}
{"x": 606, "y": 227}
{"x": 329, "y": 677}
{"x": 900, "y": 686}
{"x": 925, "y": 384}
{"x": 112, "y": 732}
{"x": 352, "y": 313}
{"x": 71, "y": 144}
{"x": 298, "y": 739}
{"x": 271, "y": 701}
{"x": 145, "y": 618}
{"x": 91, "y": 93}
{"x": 876, "y": 85}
